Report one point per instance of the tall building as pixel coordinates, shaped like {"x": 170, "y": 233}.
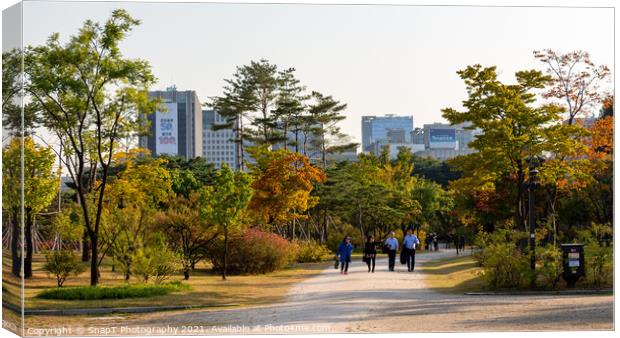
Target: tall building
{"x": 386, "y": 129}
{"x": 218, "y": 146}
{"x": 178, "y": 130}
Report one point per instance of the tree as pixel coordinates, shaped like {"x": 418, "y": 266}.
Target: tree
{"x": 12, "y": 96}
{"x": 513, "y": 131}
{"x": 40, "y": 186}
{"x": 323, "y": 115}
{"x": 290, "y": 106}
{"x": 283, "y": 183}
{"x": 62, "y": 264}
{"x": 225, "y": 202}
{"x": 134, "y": 196}
{"x": 90, "y": 97}
{"x": 185, "y": 231}
{"x": 574, "y": 79}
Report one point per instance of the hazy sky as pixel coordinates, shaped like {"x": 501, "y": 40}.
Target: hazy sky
{"x": 378, "y": 59}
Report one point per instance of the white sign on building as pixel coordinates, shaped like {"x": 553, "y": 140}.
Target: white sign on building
{"x": 167, "y": 131}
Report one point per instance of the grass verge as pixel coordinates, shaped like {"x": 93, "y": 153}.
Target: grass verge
{"x": 453, "y": 275}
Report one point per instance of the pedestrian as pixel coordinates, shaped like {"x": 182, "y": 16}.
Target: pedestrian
{"x": 427, "y": 241}
{"x": 370, "y": 252}
{"x": 344, "y": 252}
{"x": 457, "y": 244}
{"x": 410, "y": 243}
{"x": 435, "y": 242}
{"x": 462, "y": 243}
{"x": 392, "y": 245}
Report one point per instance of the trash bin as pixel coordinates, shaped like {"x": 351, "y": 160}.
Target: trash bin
{"x": 573, "y": 262}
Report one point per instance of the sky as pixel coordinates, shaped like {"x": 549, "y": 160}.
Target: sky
{"x": 379, "y": 60}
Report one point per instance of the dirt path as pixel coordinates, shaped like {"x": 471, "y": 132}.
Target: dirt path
{"x": 392, "y": 302}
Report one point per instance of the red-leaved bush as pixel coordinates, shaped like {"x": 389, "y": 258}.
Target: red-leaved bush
{"x": 254, "y": 252}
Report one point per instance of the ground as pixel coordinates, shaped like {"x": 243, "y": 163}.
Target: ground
{"x": 365, "y": 302}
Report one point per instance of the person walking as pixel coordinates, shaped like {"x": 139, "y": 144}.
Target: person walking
{"x": 462, "y": 243}
{"x": 370, "y": 252}
{"x": 392, "y": 245}
{"x": 344, "y": 252}
{"x": 435, "y": 242}
{"x": 410, "y": 243}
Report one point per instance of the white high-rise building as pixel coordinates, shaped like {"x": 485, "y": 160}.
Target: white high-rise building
{"x": 218, "y": 146}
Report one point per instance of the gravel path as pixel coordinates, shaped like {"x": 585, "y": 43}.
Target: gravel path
{"x": 395, "y": 302}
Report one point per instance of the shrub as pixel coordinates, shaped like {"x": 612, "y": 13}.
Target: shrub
{"x": 311, "y": 251}
{"x": 504, "y": 266}
{"x": 156, "y": 261}
{"x": 254, "y": 252}
{"x": 62, "y": 264}
{"x": 598, "y": 258}
{"x": 549, "y": 266}
{"x": 116, "y": 292}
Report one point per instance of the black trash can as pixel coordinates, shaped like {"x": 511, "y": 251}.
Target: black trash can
{"x": 573, "y": 262}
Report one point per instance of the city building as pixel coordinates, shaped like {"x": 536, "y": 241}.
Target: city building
{"x": 178, "y": 130}
{"x": 218, "y": 146}
{"x": 388, "y": 129}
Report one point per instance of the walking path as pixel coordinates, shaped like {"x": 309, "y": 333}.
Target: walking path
{"x": 395, "y": 302}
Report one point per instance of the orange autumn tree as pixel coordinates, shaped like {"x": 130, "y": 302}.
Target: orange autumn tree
{"x": 601, "y": 143}
{"x": 283, "y": 183}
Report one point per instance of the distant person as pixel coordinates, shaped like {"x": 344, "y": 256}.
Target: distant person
{"x": 435, "y": 242}
{"x": 427, "y": 241}
{"x": 392, "y": 245}
{"x": 457, "y": 244}
{"x": 344, "y": 252}
{"x": 370, "y": 252}
{"x": 410, "y": 243}
{"x": 462, "y": 243}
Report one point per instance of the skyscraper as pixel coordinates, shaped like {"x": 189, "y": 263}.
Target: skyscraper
{"x": 178, "y": 130}
{"x": 218, "y": 146}
{"x": 385, "y": 130}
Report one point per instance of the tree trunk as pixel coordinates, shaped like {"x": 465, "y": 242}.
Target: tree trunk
{"x": 15, "y": 235}
{"x": 29, "y": 245}
{"x": 94, "y": 264}
{"x": 85, "y": 247}
{"x": 225, "y": 253}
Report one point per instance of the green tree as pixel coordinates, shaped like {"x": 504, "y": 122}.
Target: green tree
{"x": 290, "y": 106}
{"x": 40, "y": 186}
{"x": 225, "y": 202}
{"x": 90, "y": 97}
{"x": 514, "y": 130}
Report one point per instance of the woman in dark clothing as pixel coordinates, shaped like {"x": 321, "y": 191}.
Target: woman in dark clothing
{"x": 344, "y": 252}
{"x": 370, "y": 252}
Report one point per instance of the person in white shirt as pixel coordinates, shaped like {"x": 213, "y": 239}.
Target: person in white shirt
{"x": 410, "y": 243}
{"x": 392, "y": 246}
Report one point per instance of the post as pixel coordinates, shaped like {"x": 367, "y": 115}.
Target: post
{"x": 532, "y": 217}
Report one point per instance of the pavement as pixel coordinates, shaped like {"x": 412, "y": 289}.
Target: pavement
{"x": 388, "y": 302}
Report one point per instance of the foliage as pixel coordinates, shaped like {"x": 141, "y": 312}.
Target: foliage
{"x": 62, "y": 264}
{"x": 254, "y": 252}
{"x": 514, "y": 130}
{"x": 225, "y": 203}
{"x": 575, "y": 80}
{"x": 115, "y": 292}
{"x": 598, "y": 254}
{"x": 282, "y": 186}
{"x": 40, "y": 186}
{"x": 156, "y": 261}
{"x": 549, "y": 266}
{"x": 504, "y": 264}
{"x": 310, "y": 251}
{"x": 90, "y": 97}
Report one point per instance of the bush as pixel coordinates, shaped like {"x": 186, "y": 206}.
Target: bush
{"x": 598, "y": 258}
{"x": 62, "y": 264}
{"x": 254, "y": 252}
{"x": 549, "y": 266}
{"x": 116, "y": 292}
{"x": 156, "y": 261}
{"x": 505, "y": 266}
{"x": 311, "y": 252}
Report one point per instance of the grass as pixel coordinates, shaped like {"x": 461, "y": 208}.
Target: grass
{"x": 453, "y": 275}
{"x": 204, "y": 288}
{"x": 112, "y": 292}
